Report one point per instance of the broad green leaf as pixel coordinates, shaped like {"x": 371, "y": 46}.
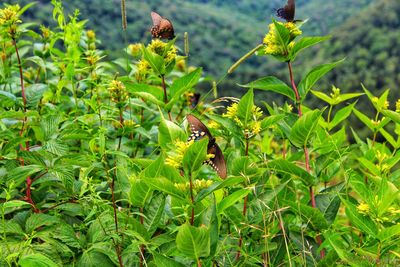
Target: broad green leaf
{"x": 181, "y": 85}
{"x": 270, "y": 83}
{"x": 342, "y": 249}
{"x": 328, "y": 201}
{"x": 153, "y": 212}
{"x": 365, "y": 224}
{"x": 392, "y": 232}
{"x": 313, "y": 76}
{"x": 67, "y": 235}
{"x": 282, "y": 34}
{"x": 310, "y": 215}
{"x": 37, "y": 260}
{"x": 143, "y": 90}
{"x": 305, "y": 42}
{"x": 245, "y": 108}
{"x": 165, "y": 186}
{"x": 370, "y": 166}
{"x": 271, "y": 121}
{"x": 343, "y": 97}
{"x": 394, "y": 116}
{"x": 304, "y": 128}
{"x": 37, "y": 220}
{"x": 140, "y": 192}
{"x": 169, "y": 132}
{"x": 286, "y": 167}
{"x": 231, "y": 199}
{"x": 156, "y": 61}
{"x": 155, "y": 168}
{"x": 323, "y": 96}
{"x": 13, "y": 205}
{"x": 218, "y": 185}
{"x": 389, "y": 138}
{"x": 341, "y": 115}
{"x": 19, "y": 174}
{"x": 7, "y": 99}
{"x": 195, "y": 155}
{"x": 193, "y": 242}
{"x": 365, "y": 119}
{"x": 161, "y": 260}
{"x": 94, "y": 258}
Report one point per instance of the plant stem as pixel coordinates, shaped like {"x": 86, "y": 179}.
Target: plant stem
{"x": 329, "y": 113}
{"x": 244, "y": 203}
{"x": 306, "y": 154}
{"x": 192, "y": 198}
{"x": 28, "y": 195}
{"x": 165, "y": 95}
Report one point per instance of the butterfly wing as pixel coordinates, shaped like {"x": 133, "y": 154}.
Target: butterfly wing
{"x": 218, "y": 161}
{"x": 197, "y": 128}
{"x": 162, "y": 27}
{"x": 156, "y": 18}
{"x": 288, "y": 11}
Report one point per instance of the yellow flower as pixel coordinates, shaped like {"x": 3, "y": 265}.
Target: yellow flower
{"x": 143, "y": 69}
{"x": 91, "y": 35}
{"x": 118, "y": 91}
{"x": 9, "y": 15}
{"x": 175, "y": 158}
{"x": 45, "y": 32}
{"x": 231, "y": 111}
{"x": 135, "y": 49}
{"x": 213, "y": 125}
{"x": 256, "y": 127}
{"x": 181, "y": 65}
{"x": 158, "y": 47}
{"x": 271, "y": 39}
{"x": 257, "y": 112}
{"x": 363, "y": 208}
{"x": 386, "y": 105}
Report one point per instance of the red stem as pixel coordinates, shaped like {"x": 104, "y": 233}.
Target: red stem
{"x": 306, "y": 154}
{"x": 28, "y": 195}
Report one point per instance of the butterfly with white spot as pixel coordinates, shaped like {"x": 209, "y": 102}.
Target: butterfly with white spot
{"x": 198, "y": 131}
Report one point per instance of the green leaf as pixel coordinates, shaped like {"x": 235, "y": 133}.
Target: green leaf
{"x": 245, "y": 107}
{"x": 283, "y": 34}
{"x": 388, "y": 233}
{"x": 343, "y": 97}
{"x": 7, "y": 99}
{"x": 370, "y": 166}
{"x": 67, "y": 235}
{"x": 13, "y": 205}
{"x": 286, "y": 167}
{"x": 169, "y": 132}
{"x": 328, "y": 202}
{"x": 232, "y": 199}
{"x": 156, "y": 61}
{"x": 342, "y": 249}
{"x": 181, "y": 85}
{"x": 195, "y": 155}
{"x": 164, "y": 185}
{"x": 193, "y": 242}
{"x": 323, "y": 97}
{"x": 149, "y": 93}
{"x": 270, "y": 83}
{"x": 365, "y": 224}
{"x": 394, "y": 116}
{"x": 304, "y": 128}
{"x": 161, "y": 260}
{"x": 367, "y": 121}
{"x": 313, "y": 76}
{"x": 310, "y": 215}
{"x": 94, "y": 258}
{"x": 19, "y": 174}
{"x": 341, "y": 115}
{"x": 216, "y": 186}
{"x": 140, "y": 192}
{"x": 37, "y": 260}
{"x": 153, "y": 212}
{"x": 305, "y": 42}
{"x": 37, "y": 220}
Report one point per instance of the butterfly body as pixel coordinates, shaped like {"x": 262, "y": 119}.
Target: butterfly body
{"x": 198, "y": 131}
{"x": 287, "y": 12}
{"x": 162, "y": 27}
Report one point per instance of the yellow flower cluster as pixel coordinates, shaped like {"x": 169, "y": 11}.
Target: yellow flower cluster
{"x": 134, "y": 49}
{"x": 271, "y": 39}
{"x": 197, "y": 185}
{"x": 9, "y": 17}
{"x": 390, "y": 215}
{"x": 363, "y": 208}
{"x": 254, "y": 127}
{"x": 175, "y": 158}
{"x": 335, "y": 92}
{"x": 143, "y": 69}
{"x": 158, "y": 47}
{"x": 118, "y": 91}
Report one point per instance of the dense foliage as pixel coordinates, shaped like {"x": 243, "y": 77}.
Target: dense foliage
{"x": 96, "y": 169}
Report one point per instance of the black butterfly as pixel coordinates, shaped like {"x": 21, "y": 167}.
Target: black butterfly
{"x": 287, "y": 12}
{"x": 199, "y": 130}
{"x": 162, "y": 27}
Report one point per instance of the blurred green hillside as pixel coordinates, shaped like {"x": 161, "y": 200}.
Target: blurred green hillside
{"x": 366, "y": 32}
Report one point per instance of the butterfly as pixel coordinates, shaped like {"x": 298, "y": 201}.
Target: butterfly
{"x": 199, "y": 131}
{"x": 162, "y": 27}
{"x": 287, "y": 12}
